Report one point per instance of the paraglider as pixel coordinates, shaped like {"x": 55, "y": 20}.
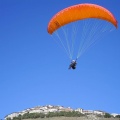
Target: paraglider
{"x": 80, "y": 12}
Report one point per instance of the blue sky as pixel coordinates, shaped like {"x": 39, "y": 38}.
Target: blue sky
{"x": 34, "y": 70}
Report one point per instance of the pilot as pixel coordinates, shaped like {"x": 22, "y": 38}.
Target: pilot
{"x": 73, "y": 64}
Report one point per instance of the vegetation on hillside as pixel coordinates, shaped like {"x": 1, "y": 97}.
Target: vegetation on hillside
{"x": 56, "y": 114}
{"x": 50, "y": 114}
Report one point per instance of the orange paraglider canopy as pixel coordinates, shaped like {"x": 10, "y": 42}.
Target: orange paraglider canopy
{"x": 80, "y": 12}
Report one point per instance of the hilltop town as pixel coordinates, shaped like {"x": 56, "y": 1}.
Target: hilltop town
{"x": 50, "y": 108}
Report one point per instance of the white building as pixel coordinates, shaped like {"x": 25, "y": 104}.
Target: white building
{"x": 36, "y": 111}
{"x": 87, "y": 111}
{"x": 98, "y": 112}
{"x": 12, "y": 115}
{"x": 79, "y": 110}
{"x": 114, "y": 114}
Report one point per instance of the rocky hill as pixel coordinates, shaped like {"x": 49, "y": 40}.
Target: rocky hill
{"x": 48, "y": 111}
